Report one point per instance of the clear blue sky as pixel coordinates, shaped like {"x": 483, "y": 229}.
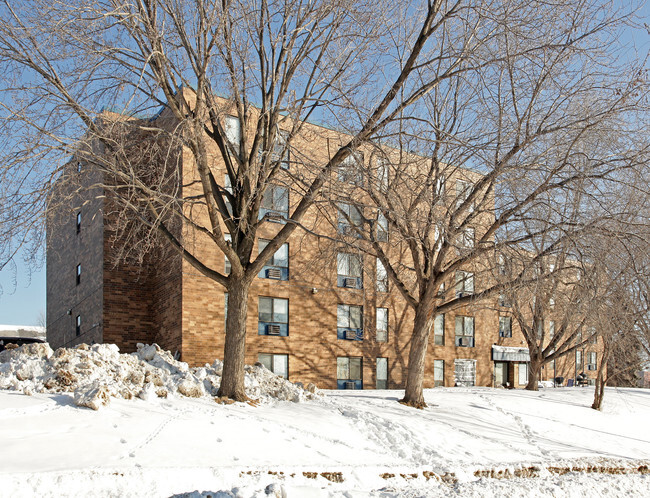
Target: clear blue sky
{"x": 21, "y": 304}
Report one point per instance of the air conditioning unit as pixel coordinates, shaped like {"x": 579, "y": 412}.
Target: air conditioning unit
{"x": 273, "y": 329}
{"x": 350, "y": 282}
{"x": 591, "y": 367}
{"x": 351, "y": 385}
{"x": 274, "y": 273}
{"x": 351, "y": 335}
{"x": 274, "y": 216}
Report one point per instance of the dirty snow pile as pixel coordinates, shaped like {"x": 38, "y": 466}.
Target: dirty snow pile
{"x": 98, "y": 372}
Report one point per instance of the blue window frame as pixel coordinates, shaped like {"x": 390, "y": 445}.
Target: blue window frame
{"x": 349, "y": 373}
{"x": 276, "y": 268}
{"x": 275, "y": 204}
{"x": 273, "y": 316}
{"x": 349, "y": 322}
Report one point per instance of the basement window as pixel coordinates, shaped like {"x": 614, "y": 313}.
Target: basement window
{"x": 276, "y": 363}
{"x": 348, "y": 373}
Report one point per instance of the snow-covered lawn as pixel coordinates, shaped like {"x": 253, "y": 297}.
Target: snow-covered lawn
{"x": 365, "y": 439}
{"x": 90, "y": 421}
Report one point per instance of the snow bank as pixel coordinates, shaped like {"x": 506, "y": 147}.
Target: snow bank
{"x": 96, "y": 373}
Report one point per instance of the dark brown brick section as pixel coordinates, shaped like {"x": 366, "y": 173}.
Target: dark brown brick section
{"x": 66, "y": 248}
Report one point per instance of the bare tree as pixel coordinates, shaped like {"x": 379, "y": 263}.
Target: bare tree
{"x": 464, "y": 177}
{"x": 276, "y": 63}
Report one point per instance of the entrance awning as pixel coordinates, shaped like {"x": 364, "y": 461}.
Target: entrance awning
{"x": 503, "y": 353}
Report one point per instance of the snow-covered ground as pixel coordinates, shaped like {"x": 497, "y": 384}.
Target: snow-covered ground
{"x": 353, "y": 444}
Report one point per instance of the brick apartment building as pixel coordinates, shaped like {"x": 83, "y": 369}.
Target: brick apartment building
{"x": 318, "y": 312}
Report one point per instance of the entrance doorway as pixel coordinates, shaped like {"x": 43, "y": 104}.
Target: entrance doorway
{"x": 500, "y": 373}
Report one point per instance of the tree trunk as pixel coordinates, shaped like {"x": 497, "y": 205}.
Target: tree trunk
{"x": 599, "y": 392}
{"x": 232, "y": 377}
{"x": 533, "y": 374}
{"x": 413, "y": 394}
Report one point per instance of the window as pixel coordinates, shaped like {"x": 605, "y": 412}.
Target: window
{"x": 382, "y": 227}
{"x": 225, "y": 308}
{"x": 79, "y": 166}
{"x": 464, "y": 283}
{"x": 440, "y": 188}
{"x": 591, "y": 361}
{"x": 349, "y": 322}
{"x": 382, "y": 277}
{"x": 349, "y": 270}
{"x": 503, "y": 300}
{"x": 382, "y": 373}
{"x": 551, "y": 302}
{"x": 465, "y": 331}
{"x": 523, "y": 374}
{"x": 382, "y": 173}
{"x": 593, "y": 335}
{"x": 439, "y": 372}
{"x": 463, "y": 190}
{"x": 466, "y": 239}
{"x": 232, "y": 128}
{"x": 276, "y": 363}
{"x": 464, "y": 373}
{"x": 273, "y": 316}
{"x": 280, "y": 149}
{"x": 348, "y": 373}
{"x": 275, "y": 204}
{"x": 578, "y": 360}
{"x": 227, "y": 186}
{"x": 540, "y": 329}
{"x": 441, "y": 290}
{"x": 277, "y": 267}
{"x": 505, "y": 326}
{"x": 228, "y": 267}
{"x": 350, "y": 169}
{"x": 439, "y": 330}
{"x": 78, "y": 274}
{"x": 382, "y": 324}
{"x": 78, "y": 325}
{"x": 501, "y": 265}
{"x": 350, "y": 220}
{"x": 79, "y": 222}
{"x": 551, "y": 329}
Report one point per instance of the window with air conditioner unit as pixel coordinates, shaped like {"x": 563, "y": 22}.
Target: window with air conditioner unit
{"x": 349, "y": 270}
{"x": 464, "y": 283}
{"x": 276, "y": 363}
{"x": 276, "y": 268}
{"x": 273, "y": 316}
{"x": 348, "y": 373}
{"x": 464, "y": 330}
{"x": 349, "y": 322}
{"x": 275, "y": 204}
{"x": 350, "y": 220}
{"x": 591, "y": 361}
